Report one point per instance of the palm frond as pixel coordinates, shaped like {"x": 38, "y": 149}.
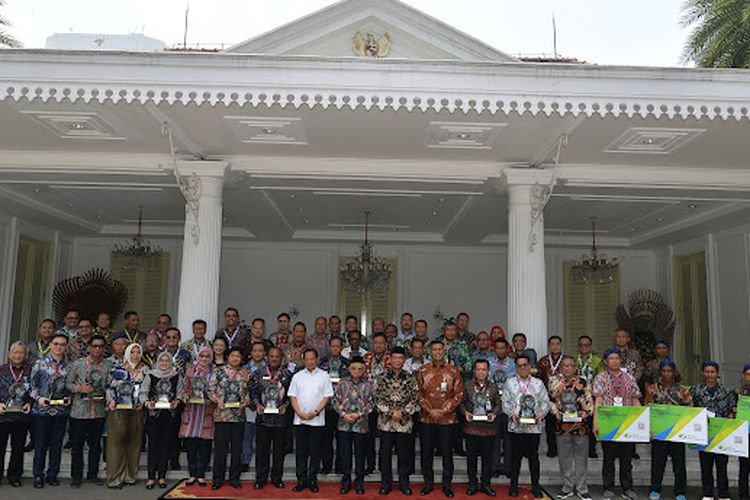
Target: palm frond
{"x": 6, "y": 39}
{"x": 720, "y": 34}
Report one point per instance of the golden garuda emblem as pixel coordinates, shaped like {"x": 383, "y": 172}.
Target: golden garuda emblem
{"x": 368, "y": 46}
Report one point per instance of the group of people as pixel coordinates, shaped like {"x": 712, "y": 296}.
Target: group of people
{"x": 247, "y": 393}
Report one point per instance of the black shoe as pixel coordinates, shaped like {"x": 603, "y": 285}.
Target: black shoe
{"x": 95, "y": 480}
{"x": 16, "y": 483}
{"x": 75, "y": 484}
{"x": 551, "y": 453}
{"x": 68, "y": 445}
{"x": 216, "y": 486}
{"x": 636, "y": 456}
{"x": 426, "y": 490}
{"x": 259, "y": 485}
{"x": 369, "y": 471}
{"x": 359, "y": 489}
{"x": 162, "y": 484}
{"x": 405, "y": 490}
{"x": 150, "y": 486}
{"x": 325, "y": 470}
{"x": 487, "y": 490}
{"x": 345, "y": 488}
{"x": 278, "y": 485}
{"x": 537, "y": 492}
{"x": 593, "y": 454}
{"x": 38, "y": 483}
{"x": 52, "y": 481}
{"x": 384, "y": 490}
{"x": 174, "y": 466}
{"x": 29, "y": 447}
{"x": 448, "y": 491}
{"x": 460, "y": 452}
{"x": 236, "y": 485}
{"x": 245, "y": 468}
{"x": 314, "y": 488}
{"x": 471, "y": 490}
{"x": 513, "y": 491}
{"x": 299, "y": 487}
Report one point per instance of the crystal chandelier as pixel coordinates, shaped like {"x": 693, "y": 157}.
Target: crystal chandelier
{"x": 366, "y": 272}
{"x": 138, "y": 254}
{"x": 594, "y": 269}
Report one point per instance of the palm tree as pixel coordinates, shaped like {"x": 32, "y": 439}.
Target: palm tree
{"x": 6, "y": 39}
{"x": 721, "y": 33}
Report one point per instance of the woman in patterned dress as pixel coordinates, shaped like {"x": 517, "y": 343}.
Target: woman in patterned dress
{"x": 197, "y": 418}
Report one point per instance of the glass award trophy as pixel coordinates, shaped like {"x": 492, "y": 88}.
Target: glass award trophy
{"x": 124, "y": 394}
{"x": 16, "y": 396}
{"x": 57, "y": 391}
{"x": 479, "y": 412}
{"x": 334, "y": 371}
{"x": 499, "y": 377}
{"x": 198, "y": 391}
{"x": 454, "y": 356}
{"x": 570, "y": 413}
{"x": 271, "y": 399}
{"x": 96, "y": 380}
{"x": 232, "y": 396}
{"x": 163, "y": 390}
{"x": 527, "y": 414}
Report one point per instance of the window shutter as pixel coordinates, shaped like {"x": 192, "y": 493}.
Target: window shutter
{"x": 147, "y": 289}
{"x": 380, "y": 305}
{"x": 32, "y": 288}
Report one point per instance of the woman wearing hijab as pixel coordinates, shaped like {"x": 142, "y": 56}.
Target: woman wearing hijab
{"x": 15, "y": 409}
{"x": 197, "y": 418}
{"x": 161, "y": 387}
{"x": 228, "y": 390}
{"x": 125, "y": 418}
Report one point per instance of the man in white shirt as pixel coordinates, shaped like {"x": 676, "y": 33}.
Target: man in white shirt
{"x": 309, "y": 392}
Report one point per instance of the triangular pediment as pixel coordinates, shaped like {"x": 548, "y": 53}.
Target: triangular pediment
{"x": 330, "y": 32}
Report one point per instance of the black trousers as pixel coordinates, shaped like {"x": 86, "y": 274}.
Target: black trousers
{"x": 372, "y": 423}
{"x": 524, "y": 446}
{"x": 550, "y": 423}
{"x": 49, "y": 433}
{"x": 501, "y": 452}
{"x": 228, "y": 441}
{"x": 307, "y": 459}
{"x": 660, "y": 452}
{"x": 157, "y": 428}
{"x": 87, "y": 431}
{"x": 347, "y": 441}
{"x": 269, "y": 440}
{"x": 479, "y": 446}
{"x": 624, "y": 453}
{"x": 743, "y": 480}
{"x": 16, "y": 431}
{"x": 404, "y": 443}
{"x": 174, "y": 439}
{"x": 708, "y": 460}
{"x": 432, "y": 435}
{"x": 328, "y": 454}
{"x": 198, "y": 453}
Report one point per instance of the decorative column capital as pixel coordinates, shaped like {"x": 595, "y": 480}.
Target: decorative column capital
{"x": 528, "y": 176}
{"x": 198, "y": 179}
{"x": 201, "y": 168}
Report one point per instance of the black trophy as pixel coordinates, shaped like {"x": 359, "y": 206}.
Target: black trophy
{"x": 499, "y": 377}
{"x": 232, "y": 396}
{"x": 334, "y": 371}
{"x": 57, "y": 391}
{"x": 528, "y": 410}
{"x": 16, "y": 397}
{"x": 96, "y": 380}
{"x": 124, "y": 394}
{"x": 198, "y": 391}
{"x": 570, "y": 406}
{"x": 271, "y": 399}
{"x": 454, "y": 356}
{"x": 163, "y": 391}
{"x": 479, "y": 412}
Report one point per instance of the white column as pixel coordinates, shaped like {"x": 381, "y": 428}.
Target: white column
{"x": 202, "y": 186}
{"x": 528, "y": 192}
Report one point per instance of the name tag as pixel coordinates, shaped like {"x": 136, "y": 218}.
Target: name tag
{"x": 710, "y": 414}
{"x": 266, "y": 378}
{"x": 443, "y": 386}
{"x": 624, "y": 370}
{"x": 617, "y": 401}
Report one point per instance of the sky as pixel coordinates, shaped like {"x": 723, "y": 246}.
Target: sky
{"x": 618, "y": 32}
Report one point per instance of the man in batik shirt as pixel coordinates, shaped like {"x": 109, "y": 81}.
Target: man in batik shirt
{"x": 79, "y": 346}
{"x": 653, "y": 367}
{"x": 337, "y": 367}
{"x": 483, "y": 350}
{"x": 418, "y": 358}
{"x": 256, "y": 364}
{"x": 744, "y": 390}
{"x": 463, "y": 333}
{"x": 258, "y": 333}
{"x": 318, "y": 339}
{"x": 502, "y": 367}
{"x": 70, "y": 323}
{"x": 571, "y": 406}
{"x": 40, "y": 347}
{"x": 193, "y": 345}
{"x": 526, "y": 403}
{"x": 295, "y": 349}
{"x": 235, "y": 334}
{"x": 87, "y": 379}
{"x": 151, "y": 349}
{"x": 589, "y": 366}
{"x": 456, "y": 350}
{"x": 131, "y": 329}
{"x": 665, "y": 390}
{"x": 440, "y": 391}
{"x": 376, "y": 363}
{"x": 521, "y": 348}
{"x": 549, "y": 368}
{"x": 720, "y": 402}
{"x": 282, "y": 335}
{"x": 353, "y": 401}
{"x": 616, "y": 387}
{"x": 406, "y": 333}
{"x": 396, "y": 400}
{"x": 631, "y": 360}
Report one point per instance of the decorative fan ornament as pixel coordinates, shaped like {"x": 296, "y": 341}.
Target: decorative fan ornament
{"x": 91, "y": 293}
{"x": 647, "y": 317}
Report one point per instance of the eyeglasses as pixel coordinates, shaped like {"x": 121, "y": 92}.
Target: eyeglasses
{"x": 171, "y": 337}
{"x": 522, "y": 365}
{"x": 204, "y": 355}
{"x": 84, "y": 326}
{"x": 60, "y": 344}
{"x": 71, "y": 318}
{"x": 96, "y": 346}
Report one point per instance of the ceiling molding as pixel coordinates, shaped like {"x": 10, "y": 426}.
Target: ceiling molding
{"x": 687, "y": 222}
{"x": 375, "y": 236}
{"x": 77, "y": 125}
{"x": 167, "y": 230}
{"x": 279, "y": 131}
{"x": 463, "y": 135}
{"x": 652, "y": 140}
{"x": 36, "y": 204}
{"x": 551, "y": 239}
{"x": 353, "y": 191}
{"x": 82, "y": 162}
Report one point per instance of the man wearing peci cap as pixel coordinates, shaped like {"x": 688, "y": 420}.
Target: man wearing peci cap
{"x": 667, "y": 391}
{"x": 616, "y": 387}
{"x": 719, "y": 401}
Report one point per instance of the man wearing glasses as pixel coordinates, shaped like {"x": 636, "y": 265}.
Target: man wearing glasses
{"x": 50, "y": 412}
{"x": 71, "y": 319}
{"x": 526, "y": 402}
{"x": 79, "y": 347}
{"x": 87, "y": 380}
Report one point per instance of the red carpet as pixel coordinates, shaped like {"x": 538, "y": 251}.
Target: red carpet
{"x": 330, "y": 491}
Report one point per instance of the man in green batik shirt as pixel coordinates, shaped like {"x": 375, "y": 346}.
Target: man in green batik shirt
{"x": 589, "y": 366}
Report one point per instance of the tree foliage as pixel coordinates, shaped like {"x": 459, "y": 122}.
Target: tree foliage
{"x": 721, "y": 33}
